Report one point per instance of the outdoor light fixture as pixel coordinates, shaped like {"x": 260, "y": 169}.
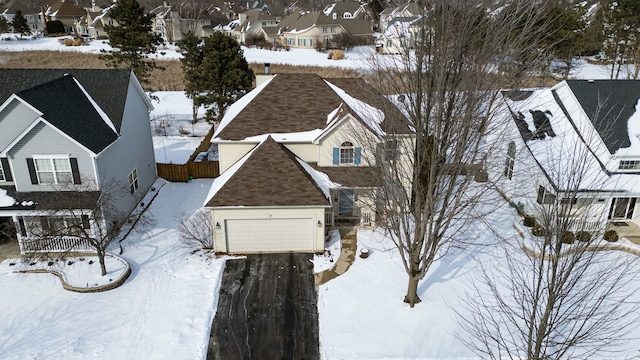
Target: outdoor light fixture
{"x": 217, "y": 226}
{"x": 319, "y": 223}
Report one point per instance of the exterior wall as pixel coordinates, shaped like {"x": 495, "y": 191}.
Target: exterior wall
{"x": 14, "y": 119}
{"x": 133, "y": 149}
{"x": 220, "y": 215}
{"x": 230, "y": 153}
{"x": 42, "y": 140}
{"x": 306, "y": 152}
{"x": 315, "y": 34}
{"x": 350, "y": 130}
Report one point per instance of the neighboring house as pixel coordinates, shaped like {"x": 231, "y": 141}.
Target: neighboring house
{"x": 59, "y": 127}
{"x": 579, "y": 142}
{"x": 398, "y": 26}
{"x": 249, "y": 24}
{"x": 294, "y": 161}
{"x": 346, "y": 10}
{"x": 67, "y": 13}
{"x": 94, "y": 22}
{"x": 306, "y": 30}
{"x": 172, "y": 26}
{"x": 31, "y": 14}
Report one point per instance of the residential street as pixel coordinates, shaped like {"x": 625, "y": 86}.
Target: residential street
{"x": 267, "y": 309}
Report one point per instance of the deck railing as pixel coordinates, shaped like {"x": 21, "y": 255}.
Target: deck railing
{"x": 55, "y": 244}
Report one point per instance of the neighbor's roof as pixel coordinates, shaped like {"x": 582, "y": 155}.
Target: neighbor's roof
{"x": 297, "y": 23}
{"x": 64, "y": 8}
{"x": 299, "y": 103}
{"x": 341, "y": 7}
{"x": 63, "y": 104}
{"x": 609, "y": 104}
{"x": 562, "y": 140}
{"x": 13, "y": 5}
{"x": 108, "y": 87}
{"x": 269, "y": 175}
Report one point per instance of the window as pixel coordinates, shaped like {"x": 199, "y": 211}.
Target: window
{"x": 56, "y": 225}
{"x": 53, "y": 170}
{"x": 335, "y": 16}
{"x": 2, "y": 177}
{"x": 544, "y": 196}
{"x": 511, "y": 160}
{"x": 629, "y": 165}
{"x": 133, "y": 181}
{"x": 333, "y": 28}
{"x": 347, "y": 153}
{"x": 325, "y": 28}
{"x": 391, "y": 150}
{"x": 622, "y": 208}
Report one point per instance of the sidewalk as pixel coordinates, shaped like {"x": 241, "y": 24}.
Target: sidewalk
{"x": 347, "y": 257}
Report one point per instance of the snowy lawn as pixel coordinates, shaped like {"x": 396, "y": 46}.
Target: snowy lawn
{"x": 362, "y": 315}
{"x": 163, "y": 311}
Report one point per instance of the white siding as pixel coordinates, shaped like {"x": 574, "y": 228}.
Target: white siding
{"x": 14, "y": 119}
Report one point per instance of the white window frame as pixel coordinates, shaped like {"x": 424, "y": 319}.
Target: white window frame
{"x": 545, "y": 196}
{"x": 629, "y": 204}
{"x": 629, "y": 165}
{"x": 510, "y": 161}
{"x": 2, "y": 177}
{"x": 56, "y": 174}
{"x": 133, "y": 181}
{"x": 347, "y": 152}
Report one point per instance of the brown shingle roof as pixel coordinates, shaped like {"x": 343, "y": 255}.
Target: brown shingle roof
{"x": 351, "y": 176}
{"x": 65, "y": 9}
{"x": 289, "y": 103}
{"x": 271, "y": 176}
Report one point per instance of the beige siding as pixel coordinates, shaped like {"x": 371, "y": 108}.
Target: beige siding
{"x": 314, "y": 214}
{"x": 306, "y": 152}
{"x": 230, "y": 153}
{"x": 353, "y": 131}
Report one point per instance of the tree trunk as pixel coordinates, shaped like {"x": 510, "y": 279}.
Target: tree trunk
{"x": 412, "y": 292}
{"x": 103, "y": 267}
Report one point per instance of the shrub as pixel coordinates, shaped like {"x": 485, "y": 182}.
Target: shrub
{"x": 538, "y": 230}
{"x": 568, "y": 237}
{"x": 583, "y": 236}
{"x": 529, "y": 221}
{"x": 68, "y": 42}
{"x": 77, "y": 42}
{"x": 610, "y": 236}
{"x": 336, "y": 54}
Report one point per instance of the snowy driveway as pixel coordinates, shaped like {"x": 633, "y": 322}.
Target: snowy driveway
{"x": 267, "y": 309}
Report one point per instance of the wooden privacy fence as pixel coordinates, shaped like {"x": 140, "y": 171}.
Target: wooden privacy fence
{"x": 188, "y": 171}
{"x": 192, "y": 169}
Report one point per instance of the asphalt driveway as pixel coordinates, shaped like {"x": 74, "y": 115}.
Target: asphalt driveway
{"x": 267, "y": 309}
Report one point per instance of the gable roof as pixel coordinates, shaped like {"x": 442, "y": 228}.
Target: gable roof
{"x": 269, "y": 175}
{"x": 13, "y": 5}
{"x": 64, "y": 105}
{"x": 297, "y": 103}
{"x": 108, "y": 87}
{"x": 609, "y": 104}
{"x": 302, "y": 22}
{"x": 64, "y": 8}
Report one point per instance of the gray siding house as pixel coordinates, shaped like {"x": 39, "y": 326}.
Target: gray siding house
{"x": 82, "y": 131}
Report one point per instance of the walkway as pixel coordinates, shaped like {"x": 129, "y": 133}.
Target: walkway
{"x": 347, "y": 257}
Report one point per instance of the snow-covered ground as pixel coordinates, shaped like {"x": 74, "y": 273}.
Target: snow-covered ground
{"x": 163, "y": 311}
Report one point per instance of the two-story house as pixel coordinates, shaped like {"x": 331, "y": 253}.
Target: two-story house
{"x": 65, "y": 130}
{"x": 67, "y": 13}
{"x": 307, "y": 30}
{"x": 577, "y": 142}
{"x": 32, "y": 15}
{"x": 297, "y": 154}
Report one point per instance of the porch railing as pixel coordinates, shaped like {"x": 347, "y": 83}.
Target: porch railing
{"x": 55, "y": 244}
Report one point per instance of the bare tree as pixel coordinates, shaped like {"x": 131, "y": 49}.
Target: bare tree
{"x": 196, "y": 230}
{"x": 79, "y": 217}
{"x": 554, "y": 291}
{"x": 455, "y": 58}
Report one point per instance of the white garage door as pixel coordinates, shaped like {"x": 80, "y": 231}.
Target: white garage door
{"x": 270, "y": 235}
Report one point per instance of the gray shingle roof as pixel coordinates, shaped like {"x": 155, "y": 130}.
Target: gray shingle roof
{"x": 271, "y": 176}
{"x": 107, "y": 87}
{"x": 64, "y": 105}
{"x": 609, "y": 104}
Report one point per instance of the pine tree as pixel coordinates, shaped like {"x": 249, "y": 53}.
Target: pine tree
{"x": 216, "y": 72}
{"x": 20, "y": 24}
{"x": 4, "y": 25}
{"x": 131, "y": 39}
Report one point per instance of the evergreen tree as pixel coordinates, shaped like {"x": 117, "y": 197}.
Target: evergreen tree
{"x": 216, "y": 72}
{"x": 20, "y": 24}
{"x": 131, "y": 39}
{"x": 620, "y": 21}
{"x": 4, "y": 25}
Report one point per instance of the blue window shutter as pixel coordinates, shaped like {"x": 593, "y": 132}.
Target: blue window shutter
{"x": 358, "y": 156}
{"x": 336, "y": 156}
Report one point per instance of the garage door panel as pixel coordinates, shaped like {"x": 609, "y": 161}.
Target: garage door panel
{"x": 270, "y": 235}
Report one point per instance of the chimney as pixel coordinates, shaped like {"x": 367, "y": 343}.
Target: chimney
{"x": 266, "y": 68}
{"x": 261, "y": 78}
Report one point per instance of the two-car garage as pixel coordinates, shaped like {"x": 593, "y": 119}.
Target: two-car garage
{"x": 246, "y": 230}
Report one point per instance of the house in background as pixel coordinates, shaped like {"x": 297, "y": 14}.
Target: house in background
{"x": 32, "y": 15}
{"x": 64, "y": 130}
{"x": 249, "y": 24}
{"x": 297, "y": 155}
{"x": 346, "y": 10}
{"x": 306, "y": 30}
{"x": 67, "y": 13}
{"x": 94, "y": 22}
{"x": 577, "y": 142}
{"x": 398, "y": 26}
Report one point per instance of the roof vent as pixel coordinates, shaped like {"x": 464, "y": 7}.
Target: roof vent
{"x": 266, "y": 68}
{"x": 590, "y": 81}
